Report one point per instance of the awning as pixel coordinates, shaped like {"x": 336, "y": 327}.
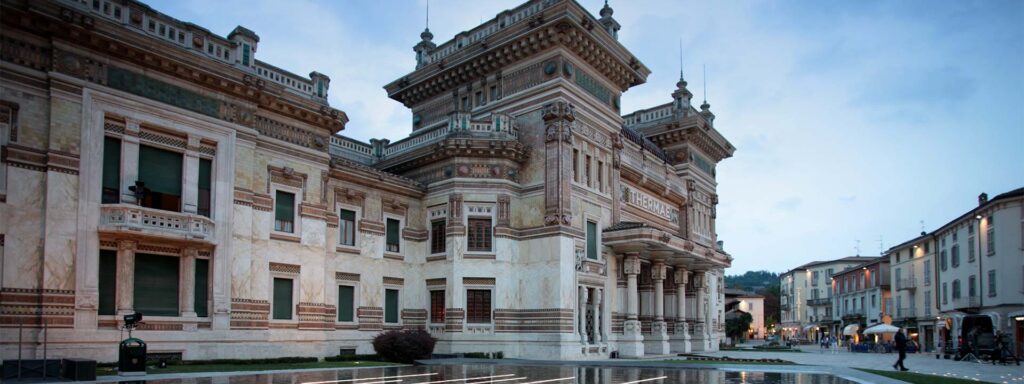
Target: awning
{"x": 881, "y": 329}
{"x": 809, "y": 327}
{"x": 851, "y": 329}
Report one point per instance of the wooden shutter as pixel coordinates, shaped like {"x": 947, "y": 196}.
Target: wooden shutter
{"x": 160, "y": 170}
{"x": 390, "y": 305}
{"x": 346, "y": 299}
{"x": 284, "y": 206}
{"x": 591, "y": 240}
{"x": 202, "y": 288}
{"x": 282, "y": 299}
{"x": 156, "y": 284}
{"x": 108, "y": 282}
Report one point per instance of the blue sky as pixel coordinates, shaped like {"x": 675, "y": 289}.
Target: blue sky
{"x": 853, "y": 120}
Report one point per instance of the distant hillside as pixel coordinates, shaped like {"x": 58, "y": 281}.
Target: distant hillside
{"x": 752, "y": 280}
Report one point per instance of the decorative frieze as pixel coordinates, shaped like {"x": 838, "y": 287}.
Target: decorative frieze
{"x": 370, "y": 318}
{"x": 437, "y": 282}
{"x": 393, "y": 281}
{"x": 285, "y": 268}
{"x": 346, "y": 276}
{"x": 478, "y": 281}
{"x": 249, "y": 314}
{"x": 551, "y": 320}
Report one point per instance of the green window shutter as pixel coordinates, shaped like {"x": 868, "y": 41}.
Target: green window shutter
{"x": 284, "y": 206}
{"x": 205, "y": 186}
{"x": 108, "y": 282}
{"x": 282, "y": 299}
{"x": 392, "y": 231}
{"x": 591, "y": 240}
{"x": 390, "y": 305}
{"x": 160, "y": 170}
{"x": 345, "y": 302}
{"x": 156, "y": 284}
{"x": 347, "y": 215}
{"x": 202, "y": 288}
{"x": 111, "y": 165}
{"x": 245, "y": 55}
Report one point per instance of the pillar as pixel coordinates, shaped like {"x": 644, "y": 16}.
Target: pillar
{"x": 680, "y": 340}
{"x": 129, "y": 160}
{"x": 187, "y": 279}
{"x": 190, "y": 177}
{"x": 631, "y": 342}
{"x": 598, "y": 337}
{"x": 658, "y": 342}
{"x": 700, "y": 324}
{"x": 126, "y": 276}
{"x": 581, "y": 312}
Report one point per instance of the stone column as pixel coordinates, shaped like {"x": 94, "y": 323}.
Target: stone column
{"x": 700, "y": 324}
{"x": 659, "y": 329}
{"x": 190, "y": 177}
{"x": 582, "y": 313}
{"x": 125, "y": 276}
{"x": 631, "y": 342}
{"x": 187, "y": 281}
{"x": 680, "y": 341}
{"x": 596, "y": 329}
{"x": 129, "y": 160}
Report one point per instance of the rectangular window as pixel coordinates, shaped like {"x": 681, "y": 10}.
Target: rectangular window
{"x": 284, "y": 212}
{"x": 245, "y": 55}
{"x": 437, "y": 306}
{"x": 108, "y": 282}
{"x": 592, "y": 240}
{"x": 943, "y": 264}
{"x": 927, "y": 246}
{"x": 927, "y": 303}
{"x": 393, "y": 238}
{"x": 478, "y": 306}
{"x": 576, "y": 165}
{"x": 282, "y": 299}
{"x": 437, "y": 236}
{"x": 346, "y": 303}
{"x": 205, "y": 184}
{"x": 971, "y": 282}
{"x": 347, "y": 227}
{"x": 600, "y": 176}
{"x": 945, "y": 296}
{"x": 990, "y": 237}
{"x": 954, "y": 255}
{"x": 586, "y": 171}
{"x": 391, "y": 306}
{"x": 201, "y": 289}
{"x": 494, "y": 92}
{"x": 927, "y": 272}
{"x": 156, "y": 284}
{"x": 992, "y": 283}
{"x": 479, "y": 235}
{"x": 479, "y": 98}
{"x": 970, "y": 249}
{"x": 465, "y": 103}
{"x": 956, "y": 289}
{"x": 160, "y": 172}
{"x": 111, "y": 170}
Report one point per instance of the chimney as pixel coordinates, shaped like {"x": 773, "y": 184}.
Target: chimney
{"x": 982, "y": 198}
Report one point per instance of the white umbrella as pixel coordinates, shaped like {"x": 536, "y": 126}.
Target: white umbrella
{"x": 881, "y": 329}
{"x": 851, "y": 329}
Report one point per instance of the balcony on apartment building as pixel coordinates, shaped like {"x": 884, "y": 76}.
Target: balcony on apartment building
{"x": 966, "y": 302}
{"x": 906, "y": 313}
{"x": 908, "y": 283}
{"x": 819, "y": 301}
{"x": 130, "y": 218}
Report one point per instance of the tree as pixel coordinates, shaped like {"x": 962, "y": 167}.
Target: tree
{"x": 736, "y": 326}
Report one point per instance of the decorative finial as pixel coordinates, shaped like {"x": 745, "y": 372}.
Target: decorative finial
{"x": 606, "y": 11}
{"x": 680, "y": 59}
{"x": 426, "y": 35}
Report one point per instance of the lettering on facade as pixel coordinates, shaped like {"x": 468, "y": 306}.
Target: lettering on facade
{"x": 641, "y": 200}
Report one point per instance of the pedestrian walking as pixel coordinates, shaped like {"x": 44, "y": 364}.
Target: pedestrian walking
{"x": 901, "y": 347}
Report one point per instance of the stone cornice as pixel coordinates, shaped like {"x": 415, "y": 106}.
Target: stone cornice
{"x": 565, "y": 24}
{"x": 346, "y": 170}
{"x": 457, "y": 147}
{"x": 694, "y": 131}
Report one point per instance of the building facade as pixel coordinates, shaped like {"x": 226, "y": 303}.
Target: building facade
{"x": 150, "y": 165}
{"x": 862, "y": 296}
{"x": 752, "y": 303}
{"x": 806, "y": 303}
{"x": 912, "y": 267}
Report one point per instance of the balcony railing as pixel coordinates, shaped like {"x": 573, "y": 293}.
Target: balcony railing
{"x": 906, "y": 283}
{"x": 136, "y": 219}
{"x": 819, "y": 301}
{"x": 906, "y": 313}
{"x": 967, "y": 302}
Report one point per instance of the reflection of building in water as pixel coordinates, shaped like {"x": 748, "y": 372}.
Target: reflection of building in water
{"x": 150, "y": 165}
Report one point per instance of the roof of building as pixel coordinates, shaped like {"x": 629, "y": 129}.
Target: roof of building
{"x": 875, "y": 260}
{"x": 848, "y": 259}
{"x": 1019, "y": 192}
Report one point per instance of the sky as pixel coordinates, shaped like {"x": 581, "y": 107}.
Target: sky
{"x": 857, "y": 124}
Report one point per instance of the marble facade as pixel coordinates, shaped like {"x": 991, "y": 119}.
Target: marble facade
{"x": 522, "y": 186}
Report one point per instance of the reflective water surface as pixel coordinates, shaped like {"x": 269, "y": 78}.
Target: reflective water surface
{"x": 520, "y": 374}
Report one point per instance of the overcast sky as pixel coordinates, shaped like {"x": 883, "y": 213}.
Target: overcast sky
{"x": 852, "y": 120}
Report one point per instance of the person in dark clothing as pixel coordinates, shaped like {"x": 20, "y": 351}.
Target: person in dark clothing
{"x": 901, "y": 347}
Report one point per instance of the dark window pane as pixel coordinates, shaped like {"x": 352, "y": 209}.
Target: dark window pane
{"x": 437, "y": 306}
{"x": 478, "y": 306}
{"x": 282, "y": 299}
{"x": 111, "y": 170}
{"x": 108, "y": 282}
{"x": 284, "y": 211}
{"x": 347, "y": 227}
{"x": 390, "y": 305}
{"x": 392, "y": 236}
{"x": 437, "y": 237}
{"x": 202, "y": 288}
{"x": 346, "y": 300}
{"x": 591, "y": 240}
{"x": 479, "y": 235}
{"x": 156, "y": 284}
{"x": 160, "y": 170}
{"x": 205, "y": 183}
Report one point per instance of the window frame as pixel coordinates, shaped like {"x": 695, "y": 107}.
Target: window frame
{"x": 355, "y": 302}
{"x": 992, "y": 288}
{"x": 597, "y": 238}
{"x": 295, "y": 295}
{"x": 432, "y": 238}
{"x": 490, "y": 314}
{"x": 296, "y": 221}
{"x": 430, "y": 305}
{"x": 355, "y": 225}
{"x": 401, "y": 226}
{"x": 490, "y": 234}
{"x": 384, "y": 304}
{"x": 138, "y": 174}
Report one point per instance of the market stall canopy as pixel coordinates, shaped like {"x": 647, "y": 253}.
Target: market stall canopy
{"x": 851, "y": 329}
{"x": 881, "y": 329}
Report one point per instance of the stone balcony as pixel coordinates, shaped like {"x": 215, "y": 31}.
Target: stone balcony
{"x": 819, "y": 301}
{"x": 135, "y": 219}
{"x": 909, "y": 283}
{"x": 906, "y": 313}
{"x": 966, "y": 302}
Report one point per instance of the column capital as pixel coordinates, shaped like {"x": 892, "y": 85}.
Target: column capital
{"x": 659, "y": 271}
{"x": 127, "y": 245}
{"x": 682, "y": 276}
{"x": 631, "y": 263}
{"x": 190, "y": 252}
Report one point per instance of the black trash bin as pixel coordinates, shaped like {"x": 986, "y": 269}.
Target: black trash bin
{"x": 132, "y": 357}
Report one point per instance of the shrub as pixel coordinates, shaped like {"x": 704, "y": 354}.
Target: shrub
{"x": 404, "y": 346}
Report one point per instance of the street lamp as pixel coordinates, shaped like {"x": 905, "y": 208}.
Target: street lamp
{"x": 981, "y": 297}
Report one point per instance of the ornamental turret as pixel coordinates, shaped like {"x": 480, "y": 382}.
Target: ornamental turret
{"x": 608, "y": 22}
{"x": 682, "y": 96}
{"x": 424, "y": 47}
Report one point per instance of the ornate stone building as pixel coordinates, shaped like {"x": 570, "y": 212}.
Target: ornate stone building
{"x": 150, "y": 165}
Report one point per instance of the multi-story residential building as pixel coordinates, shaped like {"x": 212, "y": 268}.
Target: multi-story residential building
{"x": 751, "y": 303}
{"x": 806, "y": 296}
{"x": 861, "y": 295}
{"x": 150, "y": 165}
{"x": 981, "y": 267}
{"x": 912, "y": 266}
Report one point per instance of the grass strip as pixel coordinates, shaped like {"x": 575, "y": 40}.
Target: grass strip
{"x": 730, "y": 362}
{"x": 104, "y": 371}
{"x": 919, "y": 378}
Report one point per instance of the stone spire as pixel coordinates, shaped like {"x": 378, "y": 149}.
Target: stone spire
{"x": 705, "y": 108}
{"x": 608, "y": 21}
{"x": 426, "y": 44}
{"x": 682, "y": 95}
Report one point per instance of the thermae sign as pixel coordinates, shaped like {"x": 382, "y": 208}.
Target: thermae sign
{"x": 641, "y": 200}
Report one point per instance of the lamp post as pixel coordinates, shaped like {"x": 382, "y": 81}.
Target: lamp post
{"x": 981, "y": 297}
